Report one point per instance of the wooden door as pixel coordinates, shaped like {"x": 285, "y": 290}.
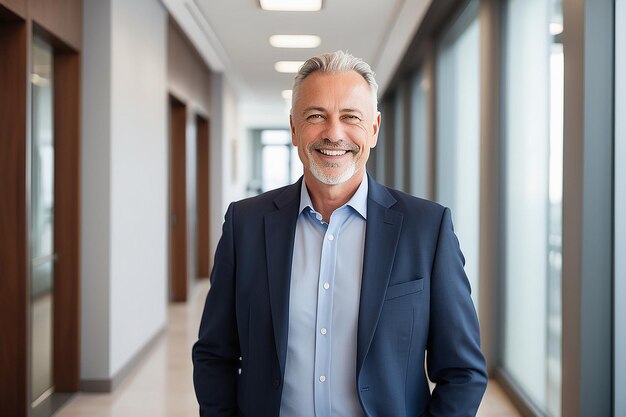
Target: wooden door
{"x": 178, "y": 197}
{"x": 202, "y": 197}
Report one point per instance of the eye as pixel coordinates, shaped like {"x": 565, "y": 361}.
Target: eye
{"x": 315, "y": 118}
{"x": 352, "y": 118}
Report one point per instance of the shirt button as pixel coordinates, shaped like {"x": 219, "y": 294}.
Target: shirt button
{"x": 331, "y": 237}
{"x": 323, "y": 330}
{"x": 318, "y": 216}
{"x": 322, "y": 378}
{"x": 326, "y": 285}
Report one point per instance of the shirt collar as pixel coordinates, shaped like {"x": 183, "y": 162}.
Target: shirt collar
{"x": 358, "y": 201}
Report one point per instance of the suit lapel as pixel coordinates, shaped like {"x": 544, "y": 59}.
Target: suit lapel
{"x": 381, "y": 240}
{"x": 280, "y": 229}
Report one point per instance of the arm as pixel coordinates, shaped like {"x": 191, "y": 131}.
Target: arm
{"x": 455, "y": 363}
{"x": 216, "y": 353}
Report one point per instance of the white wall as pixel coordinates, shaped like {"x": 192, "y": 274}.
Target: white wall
{"x": 138, "y": 176}
{"x": 95, "y": 190}
{"x": 124, "y": 238}
{"x": 227, "y": 170}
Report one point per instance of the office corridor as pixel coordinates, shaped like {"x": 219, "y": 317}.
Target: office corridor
{"x": 161, "y": 386}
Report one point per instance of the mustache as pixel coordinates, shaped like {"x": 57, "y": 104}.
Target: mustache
{"x": 327, "y": 144}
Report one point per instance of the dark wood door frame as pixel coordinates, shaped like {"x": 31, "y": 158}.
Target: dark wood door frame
{"x": 16, "y": 36}
{"x": 203, "y": 196}
{"x": 14, "y": 254}
{"x": 66, "y": 349}
{"x": 178, "y": 201}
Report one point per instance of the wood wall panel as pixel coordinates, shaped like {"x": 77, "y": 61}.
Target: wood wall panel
{"x": 17, "y": 7}
{"x": 188, "y": 77}
{"x": 178, "y": 202}
{"x": 202, "y": 196}
{"x": 14, "y": 274}
{"x": 63, "y": 18}
{"x": 66, "y": 352}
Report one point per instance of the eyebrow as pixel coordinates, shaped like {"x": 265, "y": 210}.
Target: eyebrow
{"x": 322, "y": 109}
{"x": 313, "y": 108}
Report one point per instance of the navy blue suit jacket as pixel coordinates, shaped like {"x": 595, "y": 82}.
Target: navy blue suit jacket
{"x": 415, "y": 299}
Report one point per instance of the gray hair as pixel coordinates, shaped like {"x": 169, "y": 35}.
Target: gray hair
{"x": 338, "y": 61}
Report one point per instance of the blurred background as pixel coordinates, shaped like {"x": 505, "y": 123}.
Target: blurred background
{"x": 127, "y": 127}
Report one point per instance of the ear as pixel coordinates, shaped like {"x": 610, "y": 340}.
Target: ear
{"x": 376, "y": 129}
{"x": 293, "y": 131}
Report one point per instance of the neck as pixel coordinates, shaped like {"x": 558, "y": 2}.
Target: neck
{"x": 328, "y": 198}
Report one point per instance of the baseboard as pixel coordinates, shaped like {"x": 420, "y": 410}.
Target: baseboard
{"x": 518, "y": 397}
{"x": 109, "y": 385}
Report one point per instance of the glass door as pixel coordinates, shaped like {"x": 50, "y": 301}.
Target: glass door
{"x": 42, "y": 223}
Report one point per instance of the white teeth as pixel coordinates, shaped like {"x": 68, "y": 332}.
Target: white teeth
{"x": 332, "y": 153}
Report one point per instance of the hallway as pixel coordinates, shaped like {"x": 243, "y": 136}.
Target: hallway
{"x": 161, "y": 384}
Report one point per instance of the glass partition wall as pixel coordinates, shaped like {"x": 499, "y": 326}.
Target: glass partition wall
{"x": 458, "y": 133}
{"x": 532, "y": 171}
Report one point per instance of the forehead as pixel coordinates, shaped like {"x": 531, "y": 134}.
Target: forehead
{"x": 347, "y": 87}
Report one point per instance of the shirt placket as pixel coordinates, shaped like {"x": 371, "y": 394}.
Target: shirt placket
{"x": 325, "y": 291}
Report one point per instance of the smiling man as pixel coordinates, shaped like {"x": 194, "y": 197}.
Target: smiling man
{"x": 328, "y": 296}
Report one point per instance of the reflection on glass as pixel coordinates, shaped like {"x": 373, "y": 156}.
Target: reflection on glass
{"x": 458, "y": 134}
{"x": 42, "y": 222}
{"x": 533, "y": 169}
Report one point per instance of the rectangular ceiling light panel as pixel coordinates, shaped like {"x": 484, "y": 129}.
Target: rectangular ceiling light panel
{"x": 290, "y": 67}
{"x": 291, "y": 5}
{"x": 295, "y": 41}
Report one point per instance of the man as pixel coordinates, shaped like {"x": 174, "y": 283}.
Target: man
{"x": 327, "y": 294}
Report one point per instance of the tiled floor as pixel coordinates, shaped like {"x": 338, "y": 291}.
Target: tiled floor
{"x": 161, "y": 385}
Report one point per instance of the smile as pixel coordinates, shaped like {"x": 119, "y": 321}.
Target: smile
{"x": 329, "y": 152}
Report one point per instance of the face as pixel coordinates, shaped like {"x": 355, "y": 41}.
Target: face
{"x": 334, "y": 125}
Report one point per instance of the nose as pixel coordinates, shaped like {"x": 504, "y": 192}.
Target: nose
{"x": 334, "y": 130}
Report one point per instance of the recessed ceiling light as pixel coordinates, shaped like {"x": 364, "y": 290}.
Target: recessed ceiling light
{"x": 291, "y": 5}
{"x": 295, "y": 41}
{"x": 288, "y": 66}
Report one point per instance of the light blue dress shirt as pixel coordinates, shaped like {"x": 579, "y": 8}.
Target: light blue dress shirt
{"x": 320, "y": 372}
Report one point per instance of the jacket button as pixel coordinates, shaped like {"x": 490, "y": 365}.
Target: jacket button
{"x": 276, "y": 382}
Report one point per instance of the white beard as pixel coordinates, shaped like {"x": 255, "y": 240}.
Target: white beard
{"x": 320, "y": 174}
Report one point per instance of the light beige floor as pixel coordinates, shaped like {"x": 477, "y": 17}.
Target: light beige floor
{"x": 161, "y": 385}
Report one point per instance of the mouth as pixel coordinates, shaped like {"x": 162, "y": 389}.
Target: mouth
{"x": 332, "y": 152}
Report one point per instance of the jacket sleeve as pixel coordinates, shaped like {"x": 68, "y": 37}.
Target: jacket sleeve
{"x": 216, "y": 353}
{"x": 454, "y": 360}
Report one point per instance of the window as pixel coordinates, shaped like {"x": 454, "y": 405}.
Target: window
{"x": 532, "y": 194}
{"x": 458, "y": 134}
{"x": 275, "y": 161}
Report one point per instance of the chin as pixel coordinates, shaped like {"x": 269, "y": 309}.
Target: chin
{"x": 335, "y": 178}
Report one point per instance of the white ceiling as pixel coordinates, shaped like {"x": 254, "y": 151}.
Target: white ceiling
{"x": 232, "y": 36}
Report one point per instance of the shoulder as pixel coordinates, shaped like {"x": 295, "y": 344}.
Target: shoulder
{"x": 268, "y": 201}
{"x": 406, "y": 203}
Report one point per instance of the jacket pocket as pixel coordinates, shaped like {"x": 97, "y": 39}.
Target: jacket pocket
{"x": 405, "y": 288}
